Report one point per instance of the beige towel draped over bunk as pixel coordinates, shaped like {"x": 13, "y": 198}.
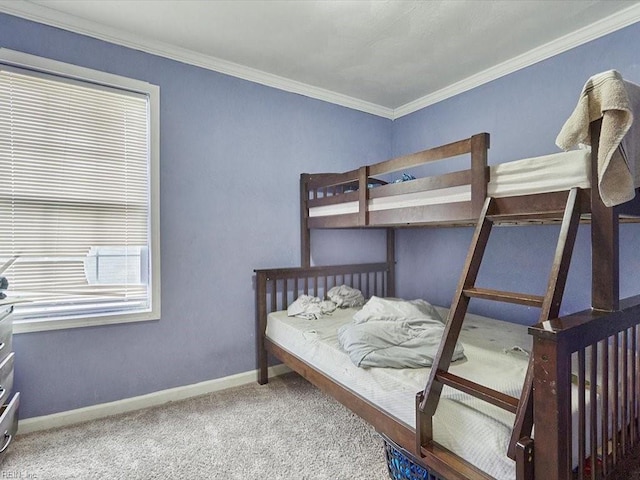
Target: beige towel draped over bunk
{"x": 607, "y": 96}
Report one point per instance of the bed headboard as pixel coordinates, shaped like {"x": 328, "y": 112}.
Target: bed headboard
{"x": 277, "y": 288}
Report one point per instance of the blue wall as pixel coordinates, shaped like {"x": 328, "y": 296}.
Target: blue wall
{"x": 231, "y": 155}
{"x": 523, "y": 112}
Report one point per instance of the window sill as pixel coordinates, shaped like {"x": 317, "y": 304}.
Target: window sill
{"x": 27, "y": 326}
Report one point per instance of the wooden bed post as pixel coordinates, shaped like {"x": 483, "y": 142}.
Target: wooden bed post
{"x": 552, "y": 406}
{"x": 261, "y": 326}
{"x": 363, "y": 196}
{"x": 605, "y": 261}
{"x": 305, "y": 233}
{"x": 479, "y": 172}
{"x": 391, "y": 262}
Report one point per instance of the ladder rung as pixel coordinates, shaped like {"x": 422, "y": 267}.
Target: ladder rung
{"x": 499, "y": 399}
{"x": 502, "y": 296}
{"x": 525, "y": 217}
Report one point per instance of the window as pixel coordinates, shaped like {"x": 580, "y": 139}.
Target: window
{"x": 78, "y": 194}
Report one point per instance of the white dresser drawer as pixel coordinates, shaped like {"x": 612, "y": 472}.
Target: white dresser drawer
{"x": 8, "y": 423}
{"x": 6, "y": 330}
{"x": 6, "y": 378}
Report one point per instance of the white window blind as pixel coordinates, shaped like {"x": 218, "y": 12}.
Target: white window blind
{"x": 74, "y": 196}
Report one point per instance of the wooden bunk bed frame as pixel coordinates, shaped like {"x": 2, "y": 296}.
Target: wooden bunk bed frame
{"x": 590, "y": 341}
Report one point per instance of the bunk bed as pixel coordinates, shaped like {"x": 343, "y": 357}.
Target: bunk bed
{"x": 575, "y": 410}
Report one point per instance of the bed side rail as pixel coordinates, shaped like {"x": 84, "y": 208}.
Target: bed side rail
{"x": 331, "y": 188}
{"x": 277, "y": 288}
{"x": 589, "y": 360}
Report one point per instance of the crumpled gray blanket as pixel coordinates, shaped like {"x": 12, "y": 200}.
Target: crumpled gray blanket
{"x": 394, "y": 333}
{"x": 311, "y": 308}
{"x": 344, "y": 296}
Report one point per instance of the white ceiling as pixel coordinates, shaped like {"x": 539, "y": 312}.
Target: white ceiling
{"x": 387, "y": 57}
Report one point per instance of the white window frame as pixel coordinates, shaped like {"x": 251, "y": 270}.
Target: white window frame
{"x": 53, "y": 67}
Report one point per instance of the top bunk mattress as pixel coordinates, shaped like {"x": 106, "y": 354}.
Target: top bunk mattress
{"x": 548, "y": 173}
{"x": 496, "y": 355}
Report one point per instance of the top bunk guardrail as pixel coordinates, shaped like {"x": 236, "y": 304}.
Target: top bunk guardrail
{"x": 530, "y": 190}
{"x": 342, "y": 200}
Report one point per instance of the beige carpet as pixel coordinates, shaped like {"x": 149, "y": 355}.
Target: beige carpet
{"x": 285, "y": 430}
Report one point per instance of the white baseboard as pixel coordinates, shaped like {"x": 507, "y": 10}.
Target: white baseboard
{"x": 103, "y": 410}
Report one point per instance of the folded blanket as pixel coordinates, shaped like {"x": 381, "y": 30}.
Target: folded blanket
{"x": 394, "y": 333}
{"x": 607, "y": 96}
{"x": 345, "y": 296}
{"x": 311, "y": 308}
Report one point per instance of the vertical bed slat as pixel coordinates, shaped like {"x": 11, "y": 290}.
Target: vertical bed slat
{"x": 631, "y": 381}
{"x": 581, "y": 414}
{"x": 567, "y": 446}
{"x": 384, "y": 282}
{"x": 283, "y": 296}
{"x": 636, "y": 384}
{"x": 614, "y": 397}
{"x": 367, "y": 285}
{"x": 624, "y": 396}
{"x": 375, "y": 283}
{"x": 631, "y": 386}
{"x": 593, "y": 410}
{"x": 363, "y": 285}
{"x": 632, "y": 389}
{"x": 605, "y": 406}
{"x": 274, "y": 294}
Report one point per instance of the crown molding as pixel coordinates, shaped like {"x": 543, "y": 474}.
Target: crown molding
{"x": 48, "y": 16}
{"x": 593, "y": 31}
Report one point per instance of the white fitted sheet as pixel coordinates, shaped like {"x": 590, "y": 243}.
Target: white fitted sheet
{"x": 544, "y": 174}
{"x": 471, "y": 428}
{"x": 461, "y": 420}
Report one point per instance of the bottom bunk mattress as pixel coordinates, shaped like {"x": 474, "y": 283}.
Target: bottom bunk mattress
{"x": 496, "y": 355}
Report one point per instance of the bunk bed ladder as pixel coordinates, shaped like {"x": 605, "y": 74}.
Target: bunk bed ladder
{"x": 549, "y": 303}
